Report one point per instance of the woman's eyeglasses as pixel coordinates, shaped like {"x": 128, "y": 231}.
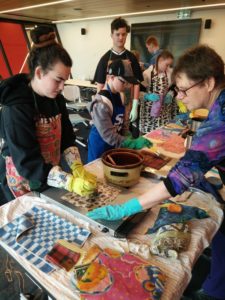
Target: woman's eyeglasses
{"x": 183, "y": 93}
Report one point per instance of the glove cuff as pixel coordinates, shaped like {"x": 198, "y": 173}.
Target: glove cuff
{"x": 132, "y": 207}
{"x": 135, "y": 103}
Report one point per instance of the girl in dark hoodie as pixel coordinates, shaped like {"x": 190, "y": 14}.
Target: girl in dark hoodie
{"x": 35, "y": 126}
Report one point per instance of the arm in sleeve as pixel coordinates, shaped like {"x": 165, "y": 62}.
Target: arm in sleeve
{"x": 101, "y": 115}
{"x": 136, "y": 68}
{"x": 68, "y": 135}
{"x": 100, "y": 72}
{"x": 207, "y": 151}
{"x": 147, "y": 77}
{"x": 20, "y": 136}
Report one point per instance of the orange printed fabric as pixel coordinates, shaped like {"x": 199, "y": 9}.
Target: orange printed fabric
{"x": 113, "y": 275}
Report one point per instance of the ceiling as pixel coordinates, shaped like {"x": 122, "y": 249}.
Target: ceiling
{"x": 84, "y": 9}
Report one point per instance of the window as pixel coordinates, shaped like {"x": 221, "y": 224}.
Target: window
{"x": 175, "y": 36}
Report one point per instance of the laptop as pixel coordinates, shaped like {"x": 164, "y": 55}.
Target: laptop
{"x": 119, "y": 228}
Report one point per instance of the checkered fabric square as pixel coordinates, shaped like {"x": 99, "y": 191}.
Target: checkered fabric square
{"x": 36, "y": 242}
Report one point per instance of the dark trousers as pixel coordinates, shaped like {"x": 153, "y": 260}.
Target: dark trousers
{"x": 214, "y": 284}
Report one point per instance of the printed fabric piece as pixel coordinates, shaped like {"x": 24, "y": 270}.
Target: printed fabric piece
{"x": 105, "y": 195}
{"x": 160, "y": 135}
{"x": 35, "y": 243}
{"x": 170, "y": 240}
{"x": 154, "y": 161}
{"x": 62, "y": 257}
{"x": 171, "y": 212}
{"x": 175, "y": 144}
{"x": 113, "y": 275}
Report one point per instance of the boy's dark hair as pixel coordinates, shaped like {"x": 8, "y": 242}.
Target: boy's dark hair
{"x": 119, "y": 23}
{"x": 46, "y": 52}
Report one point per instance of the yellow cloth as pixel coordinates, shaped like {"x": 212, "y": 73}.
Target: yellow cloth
{"x": 182, "y": 107}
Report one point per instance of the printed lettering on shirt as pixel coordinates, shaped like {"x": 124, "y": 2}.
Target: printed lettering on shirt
{"x": 119, "y": 122}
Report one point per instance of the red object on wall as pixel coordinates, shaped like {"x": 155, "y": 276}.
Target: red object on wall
{"x": 15, "y": 47}
{"x": 3, "y": 67}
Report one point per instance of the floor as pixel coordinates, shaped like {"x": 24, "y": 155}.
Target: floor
{"x": 14, "y": 281}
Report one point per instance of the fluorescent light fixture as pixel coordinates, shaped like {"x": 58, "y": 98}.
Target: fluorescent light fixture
{"x": 34, "y": 6}
{"x": 142, "y": 13}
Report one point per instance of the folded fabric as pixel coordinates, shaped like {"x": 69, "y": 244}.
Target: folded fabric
{"x": 62, "y": 257}
{"x": 171, "y": 212}
{"x": 170, "y": 240}
{"x": 24, "y": 224}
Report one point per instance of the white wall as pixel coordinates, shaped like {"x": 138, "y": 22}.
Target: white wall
{"x": 86, "y": 50}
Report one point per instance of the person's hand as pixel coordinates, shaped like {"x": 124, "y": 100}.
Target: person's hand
{"x": 87, "y": 179}
{"x": 153, "y": 97}
{"x": 137, "y": 143}
{"x": 181, "y": 106}
{"x": 79, "y": 171}
{"x": 60, "y": 179}
{"x": 134, "y": 111}
{"x": 116, "y": 212}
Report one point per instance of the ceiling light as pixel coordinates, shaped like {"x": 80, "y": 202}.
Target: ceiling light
{"x": 34, "y": 6}
{"x": 143, "y": 13}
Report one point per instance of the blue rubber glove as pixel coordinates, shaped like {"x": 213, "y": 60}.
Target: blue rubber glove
{"x": 168, "y": 98}
{"x": 134, "y": 111}
{"x": 151, "y": 97}
{"x": 116, "y": 212}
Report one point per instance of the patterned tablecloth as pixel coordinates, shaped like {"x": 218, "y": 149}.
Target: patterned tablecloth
{"x": 178, "y": 271}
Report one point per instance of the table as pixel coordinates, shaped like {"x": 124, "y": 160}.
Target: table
{"x": 81, "y": 83}
{"x": 178, "y": 272}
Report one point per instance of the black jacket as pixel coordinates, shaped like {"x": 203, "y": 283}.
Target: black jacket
{"x": 17, "y": 123}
